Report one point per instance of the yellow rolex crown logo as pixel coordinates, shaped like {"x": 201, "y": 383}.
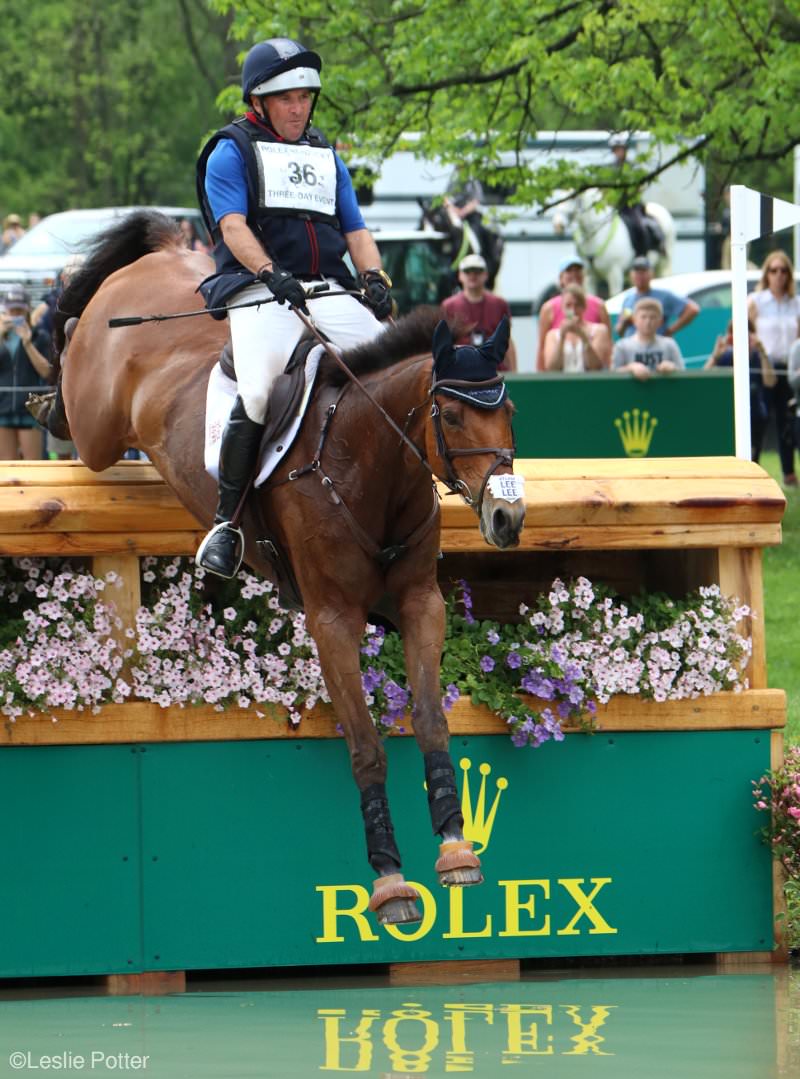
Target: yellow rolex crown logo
{"x": 477, "y": 823}
{"x": 636, "y": 431}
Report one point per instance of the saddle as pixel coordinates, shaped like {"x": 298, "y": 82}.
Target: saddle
{"x": 288, "y": 398}
{"x": 287, "y": 389}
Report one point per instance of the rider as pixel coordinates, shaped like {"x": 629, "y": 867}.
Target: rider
{"x": 279, "y": 204}
{"x": 644, "y": 231}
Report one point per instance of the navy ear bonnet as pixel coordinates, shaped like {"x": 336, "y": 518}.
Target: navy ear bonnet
{"x": 462, "y": 364}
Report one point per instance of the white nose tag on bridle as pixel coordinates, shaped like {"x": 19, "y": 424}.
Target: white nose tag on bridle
{"x": 508, "y": 487}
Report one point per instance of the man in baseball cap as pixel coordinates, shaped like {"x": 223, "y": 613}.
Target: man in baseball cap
{"x": 551, "y": 314}
{"x": 678, "y": 311}
{"x": 476, "y": 312}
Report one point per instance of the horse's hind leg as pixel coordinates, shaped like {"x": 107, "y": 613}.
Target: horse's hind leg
{"x": 422, "y": 624}
{"x": 338, "y": 637}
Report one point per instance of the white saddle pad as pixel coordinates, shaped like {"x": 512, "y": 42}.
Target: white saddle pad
{"x": 220, "y": 398}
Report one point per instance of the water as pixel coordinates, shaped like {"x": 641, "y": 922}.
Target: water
{"x": 663, "y": 1023}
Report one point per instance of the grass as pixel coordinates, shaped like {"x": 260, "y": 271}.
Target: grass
{"x": 782, "y": 605}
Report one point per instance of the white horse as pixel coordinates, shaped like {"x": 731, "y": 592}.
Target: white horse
{"x": 603, "y": 242}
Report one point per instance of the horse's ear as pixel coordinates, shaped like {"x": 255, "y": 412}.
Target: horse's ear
{"x": 442, "y": 343}
{"x": 496, "y": 346}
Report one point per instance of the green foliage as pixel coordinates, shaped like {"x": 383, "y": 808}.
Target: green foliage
{"x": 105, "y": 103}
{"x": 479, "y": 78}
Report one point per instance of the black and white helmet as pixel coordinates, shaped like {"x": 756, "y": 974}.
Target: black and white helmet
{"x": 280, "y": 64}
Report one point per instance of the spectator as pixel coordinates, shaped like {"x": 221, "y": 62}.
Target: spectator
{"x": 646, "y": 352}
{"x": 774, "y": 310}
{"x": 33, "y": 219}
{"x": 762, "y": 378}
{"x": 190, "y": 238}
{"x": 577, "y": 345}
{"x": 24, "y": 365}
{"x": 551, "y": 314}
{"x": 12, "y": 231}
{"x": 793, "y": 375}
{"x": 475, "y": 311}
{"x": 678, "y": 311}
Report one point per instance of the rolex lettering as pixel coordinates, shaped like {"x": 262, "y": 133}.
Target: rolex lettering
{"x": 294, "y": 177}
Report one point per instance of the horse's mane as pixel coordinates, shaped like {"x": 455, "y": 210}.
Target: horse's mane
{"x": 137, "y": 234}
{"x": 411, "y": 335}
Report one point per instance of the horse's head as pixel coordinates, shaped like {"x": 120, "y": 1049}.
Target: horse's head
{"x": 470, "y": 437}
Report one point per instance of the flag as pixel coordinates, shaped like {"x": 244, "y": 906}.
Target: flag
{"x": 760, "y": 215}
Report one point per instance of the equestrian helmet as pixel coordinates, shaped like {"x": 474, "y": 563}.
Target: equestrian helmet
{"x": 280, "y": 64}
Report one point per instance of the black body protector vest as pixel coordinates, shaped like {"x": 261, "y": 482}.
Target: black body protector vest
{"x": 291, "y": 207}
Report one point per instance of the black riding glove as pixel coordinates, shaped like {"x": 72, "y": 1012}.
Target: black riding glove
{"x": 284, "y": 287}
{"x": 375, "y": 286}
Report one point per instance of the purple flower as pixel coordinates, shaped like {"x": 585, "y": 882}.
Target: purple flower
{"x": 514, "y": 660}
{"x": 487, "y": 664}
{"x": 492, "y": 636}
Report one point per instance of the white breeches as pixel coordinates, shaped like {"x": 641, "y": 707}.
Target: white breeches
{"x": 263, "y": 338}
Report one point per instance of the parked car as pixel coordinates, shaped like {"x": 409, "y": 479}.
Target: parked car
{"x": 38, "y": 257}
{"x": 711, "y": 291}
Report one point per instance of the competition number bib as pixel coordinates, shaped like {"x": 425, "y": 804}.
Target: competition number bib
{"x": 295, "y": 177}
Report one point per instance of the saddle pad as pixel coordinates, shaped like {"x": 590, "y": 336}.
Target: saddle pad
{"x": 220, "y": 398}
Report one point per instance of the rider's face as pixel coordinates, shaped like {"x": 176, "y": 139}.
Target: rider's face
{"x": 288, "y": 112}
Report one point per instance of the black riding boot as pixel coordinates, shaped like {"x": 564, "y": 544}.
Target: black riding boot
{"x": 222, "y": 549}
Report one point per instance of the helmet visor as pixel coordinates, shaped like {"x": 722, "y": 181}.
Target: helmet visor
{"x": 298, "y": 78}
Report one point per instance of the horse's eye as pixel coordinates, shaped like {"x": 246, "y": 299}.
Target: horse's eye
{"x": 451, "y": 419}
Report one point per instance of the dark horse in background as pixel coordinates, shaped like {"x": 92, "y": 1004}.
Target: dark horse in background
{"x": 467, "y": 235}
{"x": 360, "y": 526}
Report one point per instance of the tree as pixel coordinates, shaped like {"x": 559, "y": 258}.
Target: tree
{"x": 106, "y": 102}
{"x": 477, "y": 78}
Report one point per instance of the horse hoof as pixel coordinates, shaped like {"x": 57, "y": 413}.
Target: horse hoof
{"x": 394, "y": 901}
{"x": 397, "y": 911}
{"x": 458, "y": 866}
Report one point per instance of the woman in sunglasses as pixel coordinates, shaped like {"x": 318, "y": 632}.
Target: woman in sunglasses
{"x": 774, "y": 309}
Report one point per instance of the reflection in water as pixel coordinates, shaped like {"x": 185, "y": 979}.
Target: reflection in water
{"x": 666, "y": 1025}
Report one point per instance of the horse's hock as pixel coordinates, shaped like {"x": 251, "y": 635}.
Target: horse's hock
{"x": 158, "y": 835}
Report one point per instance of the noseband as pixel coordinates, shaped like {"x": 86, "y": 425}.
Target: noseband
{"x": 502, "y": 456}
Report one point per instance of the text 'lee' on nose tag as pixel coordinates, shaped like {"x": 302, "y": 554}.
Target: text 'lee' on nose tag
{"x": 508, "y": 487}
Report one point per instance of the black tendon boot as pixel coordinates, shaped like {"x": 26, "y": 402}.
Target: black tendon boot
{"x": 222, "y": 549}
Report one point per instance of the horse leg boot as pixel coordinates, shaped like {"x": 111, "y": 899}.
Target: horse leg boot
{"x": 457, "y": 864}
{"x": 393, "y": 900}
{"x": 222, "y": 549}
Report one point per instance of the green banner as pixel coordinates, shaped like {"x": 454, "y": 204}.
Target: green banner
{"x": 250, "y": 854}
{"x": 608, "y": 414}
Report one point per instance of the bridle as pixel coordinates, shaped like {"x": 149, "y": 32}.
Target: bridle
{"x": 502, "y": 456}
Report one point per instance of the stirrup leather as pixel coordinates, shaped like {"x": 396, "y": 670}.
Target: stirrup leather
{"x": 208, "y": 540}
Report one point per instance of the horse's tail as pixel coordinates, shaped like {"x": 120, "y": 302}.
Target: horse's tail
{"x": 137, "y": 234}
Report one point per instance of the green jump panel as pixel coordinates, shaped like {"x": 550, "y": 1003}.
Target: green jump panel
{"x": 252, "y": 853}
{"x": 71, "y": 861}
{"x": 605, "y": 414}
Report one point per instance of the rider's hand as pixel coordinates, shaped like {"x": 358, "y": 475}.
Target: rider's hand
{"x": 375, "y": 286}
{"x": 284, "y": 287}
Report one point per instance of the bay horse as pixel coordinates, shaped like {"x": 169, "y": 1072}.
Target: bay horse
{"x": 603, "y": 241}
{"x": 359, "y": 525}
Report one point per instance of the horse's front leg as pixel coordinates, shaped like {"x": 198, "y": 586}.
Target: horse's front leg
{"x": 422, "y": 617}
{"x": 337, "y": 631}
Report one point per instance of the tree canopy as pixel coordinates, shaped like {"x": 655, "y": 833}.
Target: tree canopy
{"x": 477, "y": 78}
{"x": 107, "y": 101}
